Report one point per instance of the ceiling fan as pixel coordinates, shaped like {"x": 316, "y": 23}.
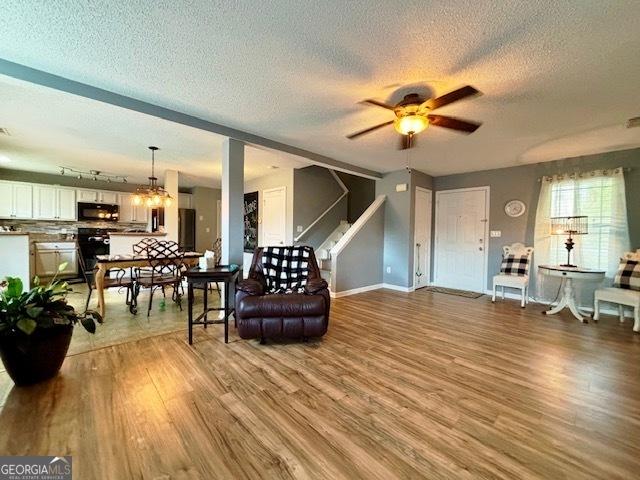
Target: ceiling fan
{"x": 413, "y": 115}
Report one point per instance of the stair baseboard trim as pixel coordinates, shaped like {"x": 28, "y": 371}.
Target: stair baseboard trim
{"x": 353, "y": 291}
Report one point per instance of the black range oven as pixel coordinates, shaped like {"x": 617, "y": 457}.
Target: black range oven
{"x": 98, "y": 212}
{"x": 92, "y": 242}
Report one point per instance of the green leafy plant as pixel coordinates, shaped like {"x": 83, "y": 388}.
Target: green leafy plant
{"x": 44, "y": 306}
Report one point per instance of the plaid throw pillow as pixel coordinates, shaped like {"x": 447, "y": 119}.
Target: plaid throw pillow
{"x": 515, "y": 265}
{"x": 285, "y": 268}
{"x": 628, "y": 276}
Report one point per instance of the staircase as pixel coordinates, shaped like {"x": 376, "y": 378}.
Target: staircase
{"x": 324, "y": 251}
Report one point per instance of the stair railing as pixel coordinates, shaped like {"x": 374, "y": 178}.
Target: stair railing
{"x": 345, "y": 192}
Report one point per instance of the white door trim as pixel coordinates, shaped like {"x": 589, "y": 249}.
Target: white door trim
{"x": 282, "y": 188}
{"x": 485, "y": 242}
{"x": 429, "y": 236}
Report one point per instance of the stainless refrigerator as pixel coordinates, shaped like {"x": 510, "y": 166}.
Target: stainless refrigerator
{"x": 187, "y": 229}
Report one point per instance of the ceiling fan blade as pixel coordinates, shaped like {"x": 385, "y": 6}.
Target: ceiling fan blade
{"x": 371, "y": 101}
{"x": 451, "y": 97}
{"x": 453, "y": 123}
{"x": 368, "y": 130}
{"x": 407, "y": 141}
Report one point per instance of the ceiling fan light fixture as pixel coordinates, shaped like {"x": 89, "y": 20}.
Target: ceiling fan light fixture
{"x": 411, "y": 124}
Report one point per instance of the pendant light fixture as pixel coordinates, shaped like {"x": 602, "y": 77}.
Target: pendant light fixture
{"x": 152, "y": 195}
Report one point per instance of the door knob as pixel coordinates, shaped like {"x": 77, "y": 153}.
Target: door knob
{"x": 480, "y": 248}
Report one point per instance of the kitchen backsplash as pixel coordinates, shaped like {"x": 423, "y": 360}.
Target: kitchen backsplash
{"x": 53, "y": 227}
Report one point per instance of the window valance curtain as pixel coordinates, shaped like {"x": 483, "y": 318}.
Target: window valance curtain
{"x": 600, "y": 195}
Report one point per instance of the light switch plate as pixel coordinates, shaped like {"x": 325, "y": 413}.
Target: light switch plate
{"x": 401, "y": 187}
{"x": 207, "y": 230}
{"x": 299, "y": 228}
{"x": 495, "y": 233}
{"x": 388, "y": 269}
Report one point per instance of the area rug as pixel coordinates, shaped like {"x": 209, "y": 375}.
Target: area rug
{"x": 453, "y": 291}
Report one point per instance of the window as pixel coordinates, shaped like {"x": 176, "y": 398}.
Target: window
{"x": 592, "y": 197}
{"x": 599, "y": 195}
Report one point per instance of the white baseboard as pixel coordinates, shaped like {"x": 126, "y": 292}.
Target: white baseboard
{"x": 397, "y": 287}
{"x": 368, "y": 288}
{"x": 353, "y": 291}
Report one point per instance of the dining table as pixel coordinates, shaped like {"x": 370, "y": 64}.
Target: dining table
{"x": 106, "y": 262}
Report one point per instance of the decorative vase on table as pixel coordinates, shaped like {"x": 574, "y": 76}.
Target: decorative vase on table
{"x": 36, "y": 327}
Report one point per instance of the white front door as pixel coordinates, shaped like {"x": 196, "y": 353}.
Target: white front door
{"x": 422, "y": 243}
{"x": 461, "y": 238}
{"x": 274, "y": 207}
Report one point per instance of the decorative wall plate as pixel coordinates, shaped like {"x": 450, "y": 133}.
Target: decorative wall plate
{"x": 515, "y": 208}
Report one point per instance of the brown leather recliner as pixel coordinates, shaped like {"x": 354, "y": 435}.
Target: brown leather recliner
{"x": 281, "y": 315}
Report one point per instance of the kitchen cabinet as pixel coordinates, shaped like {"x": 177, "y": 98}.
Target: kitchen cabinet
{"x": 97, "y": 196}
{"x": 132, "y": 213}
{"x": 17, "y": 201}
{"x": 54, "y": 203}
{"x": 185, "y": 200}
{"x": 49, "y": 255}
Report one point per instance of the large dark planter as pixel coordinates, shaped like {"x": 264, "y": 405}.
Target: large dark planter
{"x": 34, "y": 358}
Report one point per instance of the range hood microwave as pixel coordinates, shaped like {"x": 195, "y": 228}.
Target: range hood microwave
{"x": 98, "y": 212}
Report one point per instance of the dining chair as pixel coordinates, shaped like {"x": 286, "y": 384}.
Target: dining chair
{"x": 165, "y": 262}
{"x": 514, "y": 271}
{"x": 118, "y": 281}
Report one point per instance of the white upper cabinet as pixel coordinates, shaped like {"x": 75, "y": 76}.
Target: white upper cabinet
{"x": 97, "y": 196}
{"x": 131, "y": 213}
{"x": 185, "y": 200}
{"x": 44, "y": 199}
{"x": 66, "y": 199}
{"x": 54, "y": 203}
{"x": 16, "y": 200}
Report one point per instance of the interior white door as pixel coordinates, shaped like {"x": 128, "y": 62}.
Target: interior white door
{"x": 461, "y": 236}
{"x": 422, "y": 244}
{"x": 274, "y": 207}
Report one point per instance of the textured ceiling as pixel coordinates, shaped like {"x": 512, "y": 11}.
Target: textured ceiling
{"x": 49, "y": 129}
{"x": 551, "y": 71}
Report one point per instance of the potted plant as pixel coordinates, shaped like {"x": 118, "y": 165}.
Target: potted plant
{"x": 36, "y": 327}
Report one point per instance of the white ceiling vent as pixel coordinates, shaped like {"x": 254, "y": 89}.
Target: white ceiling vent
{"x": 4, "y": 131}
{"x": 633, "y": 122}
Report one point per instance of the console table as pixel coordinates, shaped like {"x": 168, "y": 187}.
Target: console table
{"x": 568, "y": 276}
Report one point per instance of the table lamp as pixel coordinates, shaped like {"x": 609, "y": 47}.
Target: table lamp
{"x": 569, "y": 226}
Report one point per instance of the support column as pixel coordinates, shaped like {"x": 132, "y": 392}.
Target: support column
{"x": 171, "y": 212}
{"x": 232, "y": 201}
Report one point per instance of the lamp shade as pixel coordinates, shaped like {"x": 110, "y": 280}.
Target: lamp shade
{"x": 569, "y": 225}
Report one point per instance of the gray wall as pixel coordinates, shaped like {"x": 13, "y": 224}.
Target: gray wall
{"x": 399, "y": 223}
{"x": 205, "y": 204}
{"x": 358, "y": 265}
{"x": 68, "y": 181}
{"x": 315, "y": 189}
{"x": 397, "y": 228}
{"x": 362, "y": 193}
{"x": 64, "y": 180}
{"x": 522, "y": 183}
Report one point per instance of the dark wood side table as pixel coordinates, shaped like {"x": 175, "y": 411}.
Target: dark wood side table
{"x": 198, "y": 276}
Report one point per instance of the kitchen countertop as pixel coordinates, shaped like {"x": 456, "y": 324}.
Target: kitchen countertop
{"x": 138, "y": 234}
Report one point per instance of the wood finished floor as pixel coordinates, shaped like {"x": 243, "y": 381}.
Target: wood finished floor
{"x": 420, "y": 385}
